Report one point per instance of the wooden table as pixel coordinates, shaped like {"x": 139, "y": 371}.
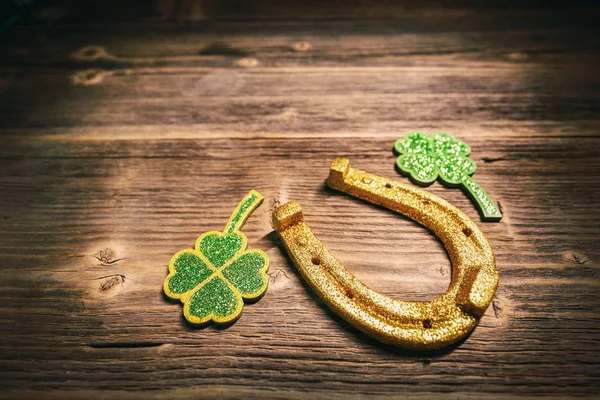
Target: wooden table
{"x": 127, "y": 130}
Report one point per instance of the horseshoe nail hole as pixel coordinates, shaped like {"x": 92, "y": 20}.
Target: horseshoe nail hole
{"x": 426, "y": 202}
{"x": 316, "y": 260}
{"x": 349, "y": 294}
{"x": 427, "y": 324}
{"x": 388, "y": 185}
{"x": 467, "y": 231}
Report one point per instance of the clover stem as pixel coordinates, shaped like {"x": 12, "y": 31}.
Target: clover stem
{"x": 243, "y": 210}
{"x": 488, "y": 210}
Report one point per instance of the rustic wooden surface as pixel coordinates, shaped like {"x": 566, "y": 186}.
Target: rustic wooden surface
{"x": 126, "y": 130}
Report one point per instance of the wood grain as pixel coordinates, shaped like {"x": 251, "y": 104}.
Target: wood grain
{"x": 121, "y": 141}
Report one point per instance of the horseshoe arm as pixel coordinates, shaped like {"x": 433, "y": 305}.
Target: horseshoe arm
{"x": 415, "y": 325}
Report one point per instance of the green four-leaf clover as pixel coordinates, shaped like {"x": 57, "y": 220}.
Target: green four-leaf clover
{"x": 426, "y": 158}
{"x": 213, "y": 279}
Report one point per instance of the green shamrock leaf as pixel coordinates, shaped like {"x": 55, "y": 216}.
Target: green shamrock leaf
{"x": 219, "y": 248}
{"x": 246, "y": 273}
{"x": 189, "y": 270}
{"x": 425, "y": 158}
{"x": 213, "y": 279}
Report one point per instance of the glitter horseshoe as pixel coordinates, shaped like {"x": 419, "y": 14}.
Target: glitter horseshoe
{"x": 427, "y": 325}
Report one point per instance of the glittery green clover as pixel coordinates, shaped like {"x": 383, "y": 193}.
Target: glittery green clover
{"x": 213, "y": 279}
{"x": 426, "y": 158}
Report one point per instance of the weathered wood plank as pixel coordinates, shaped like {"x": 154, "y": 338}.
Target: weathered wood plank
{"x": 123, "y": 138}
{"x": 74, "y": 11}
{"x": 360, "y": 77}
{"x": 67, "y": 201}
{"x": 364, "y": 100}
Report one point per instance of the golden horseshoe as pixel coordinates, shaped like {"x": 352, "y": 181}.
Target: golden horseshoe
{"x": 416, "y": 325}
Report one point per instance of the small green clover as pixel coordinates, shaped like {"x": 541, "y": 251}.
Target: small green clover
{"x": 213, "y": 279}
{"x": 426, "y": 158}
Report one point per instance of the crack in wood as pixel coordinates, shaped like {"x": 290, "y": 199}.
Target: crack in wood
{"x": 111, "y": 262}
{"x": 492, "y": 159}
{"x": 273, "y": 276}
{"x": 500, "y": 207}
{"x": 497, "y": 309}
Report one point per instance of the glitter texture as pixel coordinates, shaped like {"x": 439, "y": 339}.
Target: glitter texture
{"x": 426, "y": 158}
{"x": 244, "y": 209}
{"x": 190, "y": 271}
{"x": 214, "y": 297}
{"x": 244, "y": 274}
{"x": 219, "y": 248}
{"x": 415, "y": 325}
{"x": 212, "y": 280}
